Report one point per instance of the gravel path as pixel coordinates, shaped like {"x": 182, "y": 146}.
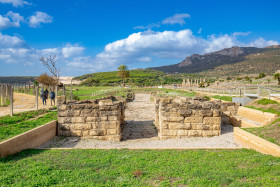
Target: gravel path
{"x": 140, "y": 133}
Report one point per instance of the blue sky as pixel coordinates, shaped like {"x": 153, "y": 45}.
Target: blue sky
{"x": 94, "y": 36}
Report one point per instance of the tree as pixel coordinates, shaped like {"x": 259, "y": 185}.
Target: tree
{"x": 47, "y": 80}
{"x": 50, "y": 64}
{"x": 123, "y": 73}
{"x": 277, "y": 76}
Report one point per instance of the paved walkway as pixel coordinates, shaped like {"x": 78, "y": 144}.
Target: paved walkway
{"x": 22, "y": 103}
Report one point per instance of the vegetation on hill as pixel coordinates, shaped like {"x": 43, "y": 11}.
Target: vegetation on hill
{"x": 137, "y": 78}
{"x": 17, "y": 79}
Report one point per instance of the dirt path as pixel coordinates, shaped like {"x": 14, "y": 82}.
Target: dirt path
{"x": 139, "y": 116}
{"x": 23, "y": 102}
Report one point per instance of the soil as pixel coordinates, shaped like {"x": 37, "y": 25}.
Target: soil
{"x": 23, "y": 102}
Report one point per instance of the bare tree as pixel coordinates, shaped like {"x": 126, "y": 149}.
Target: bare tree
{"x": 50, "y": 64}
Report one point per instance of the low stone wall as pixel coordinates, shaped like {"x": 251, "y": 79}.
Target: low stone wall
{"x": 98, "y": 119}
{"x": 262, "y": 118}
{"x": 187, "y": 117}
{"x": 252, "y": 141}
{"x": 28, "y": 140}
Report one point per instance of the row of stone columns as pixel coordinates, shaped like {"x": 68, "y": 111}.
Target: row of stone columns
{"x": 192, "y": 83}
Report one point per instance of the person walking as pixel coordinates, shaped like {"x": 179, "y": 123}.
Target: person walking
{"x": 52, "y": 97}
{"x": 44, "y": 97}
{"x": 47, "y": 91}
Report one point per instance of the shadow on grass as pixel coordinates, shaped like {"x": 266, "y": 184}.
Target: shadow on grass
{"x": 21, "y": 155}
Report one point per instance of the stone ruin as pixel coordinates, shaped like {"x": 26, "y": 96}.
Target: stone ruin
{"x": 99, "y": 119}
{"x": 191, "y": 117}
{"x": 178, "y": 117}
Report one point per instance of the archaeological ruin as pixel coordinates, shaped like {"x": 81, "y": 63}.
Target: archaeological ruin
{"x": 176, "y": 117}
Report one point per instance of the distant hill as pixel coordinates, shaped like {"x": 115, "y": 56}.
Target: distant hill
{"x": 137, "y": 77}
{"x": 17, "y": 79}
{"x": 233, "y": 60}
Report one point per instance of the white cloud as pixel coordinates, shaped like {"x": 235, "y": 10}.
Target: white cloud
{"x": 72, "y": 50}
{"x": 15, "y": 3}
{"x": 11, "y": 19}
{"x": 241, "y": 33}
{"x": 199, "y": 31}
{"x": 7, "y": 41}
{"x": 260, "y": 42}
{"x": 176, "y": 19}
{"x": 39, "y": 17}
{"x": 144, "y": 59}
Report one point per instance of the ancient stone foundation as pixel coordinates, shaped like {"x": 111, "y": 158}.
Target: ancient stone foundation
{"x": 189, "y": 117}
{"x": 98, "y": 119}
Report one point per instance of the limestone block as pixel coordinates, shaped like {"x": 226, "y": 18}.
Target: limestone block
{"x": 63, "y": 107}
{"x": 78, "y": 120}
{"x": 108, "y": 108}
{"x": 195, "y": 133}
{"x": 113, "y": 118}
{"x": 77, "y": 107}
{"x": 165, "y": 100}
{"x": 111, "y": 131}
{"x": 176, "y": 119}
{"x": 203, "y": 113}
{"x": 105, "y": 102}
{"x": 183, "y": 133}
{"x": 212, "y": 121}
{"x": 165, "y": 132}
{"x": 175, "y": 126}
{"x": 164, "y": 126}
{"x": 231, "y": 108}
{"x": 61, "y": 100}
{"x": 193, "y": 120}
{"x": 207, "y": 105}
{"x": 64, "y": 120}
{"x": 216, "y": 113}
{"x": 210, "y": 133}
{"x": 103, "y": 118}
{"x": 85, "y": 132}
{"x": 86, "y": 112}
{"x": 92, "y": 119}
{"x": 95, "y": 132}
{"x": 82, "y": 126}
{"x": 185, "y": 112}
{"x": 76, "y": 133}
{"x": 115, "y": 138}
{"x": 216, "y": 127}
{"x": 64, "y": 127}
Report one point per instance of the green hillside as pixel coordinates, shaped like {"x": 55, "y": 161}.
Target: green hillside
{"x": 137, "y": 78}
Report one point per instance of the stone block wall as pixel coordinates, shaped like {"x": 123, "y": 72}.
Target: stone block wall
{"x": 98, "y": 119}
{"x": 187, "y": 117}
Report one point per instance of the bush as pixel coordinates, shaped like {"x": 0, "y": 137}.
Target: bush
{"x": 262, "y": 75}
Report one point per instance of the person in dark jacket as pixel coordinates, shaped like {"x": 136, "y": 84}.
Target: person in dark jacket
{"x": 47, "y": 91}
{"x": 44, "y": 97}
{"x": 52, "y": 97}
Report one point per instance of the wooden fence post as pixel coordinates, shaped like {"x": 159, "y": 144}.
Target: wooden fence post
{"x": 1, "y": 93}
{"x": 71, "y": 91}
{"x": 56, "y": 95}
{"x": 36, "y": 98}
{"x": 11, "y": 101}
{"x": 63, "y": 89}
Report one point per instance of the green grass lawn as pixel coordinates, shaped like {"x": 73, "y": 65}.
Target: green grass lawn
{"x": 18, "y": 117}
{"x": 224, "y": 98}
{"x": 270, "y": 132}
{"x": 140, "y": 168}
{"x": 10, "y": 130}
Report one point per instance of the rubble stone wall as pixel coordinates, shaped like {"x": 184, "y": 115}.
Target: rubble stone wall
{"x": 97, "y": 119}
{"x": 190, "y": 117}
